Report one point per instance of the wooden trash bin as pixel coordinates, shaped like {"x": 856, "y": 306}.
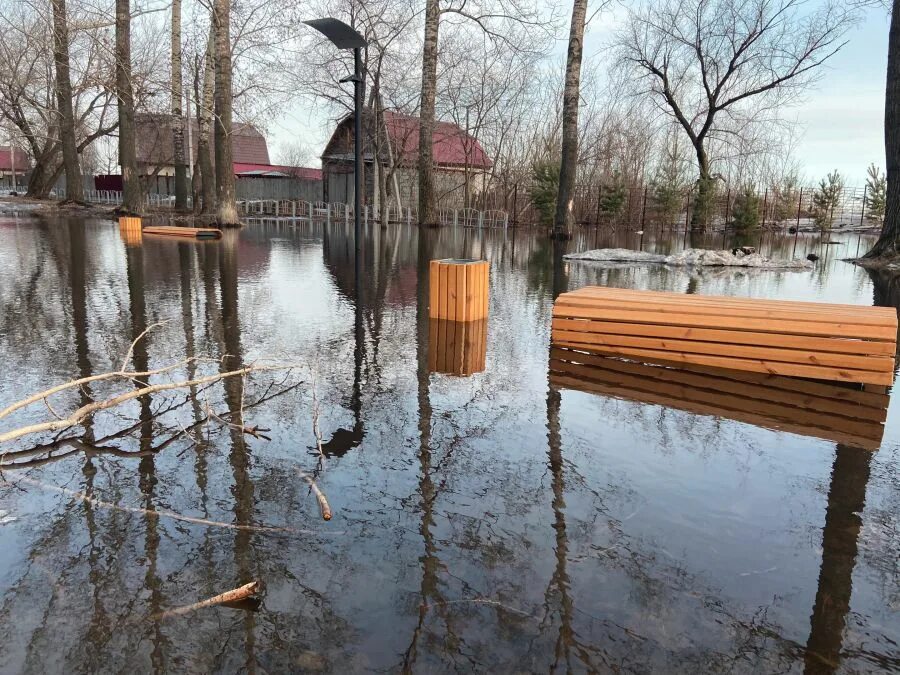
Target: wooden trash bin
{"x": 130, "y": 229}
{"x": 458, "y": 289}
{"x": 456, "y": 347}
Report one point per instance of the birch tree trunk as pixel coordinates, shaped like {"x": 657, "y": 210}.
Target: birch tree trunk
{"x": 204, "y": 129}
{"x": 427, "y": 207}
{"x": 226, "y": 209}
{"x": 181, "y": 184}
{"x": 571, "y": 95}
{"x": 74, "y": 186}
{"x": 132, "y": 201}
{"x": 888, "y": 243}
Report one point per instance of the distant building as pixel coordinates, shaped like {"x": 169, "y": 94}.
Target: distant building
{"x": 459, "y": 161}
{"x": 250, "y": 157}
{"x": 13, "y": 159}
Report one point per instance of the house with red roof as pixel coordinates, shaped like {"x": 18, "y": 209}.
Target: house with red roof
{"x": 250, "y": 155}
{"x": 461, "y": 164}
{"x": 13, "y": 162}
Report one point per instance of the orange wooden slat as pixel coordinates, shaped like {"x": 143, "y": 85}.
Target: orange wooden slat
{"x": 825, "y": 344}
{"x": 756, "y": 365}
{"x": 760, "y": 325}
{"x": 829, "y": 359}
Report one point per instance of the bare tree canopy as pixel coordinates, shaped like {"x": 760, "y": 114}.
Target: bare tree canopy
{"x": 714, "y": 65}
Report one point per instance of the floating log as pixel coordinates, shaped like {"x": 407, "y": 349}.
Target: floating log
{"x": 843, "y": 343}
{"x": 457, "y": 347}
{"x": 185, "y": 232}
{"x": 836, "y": 412}
{"x": 458, "y": 289}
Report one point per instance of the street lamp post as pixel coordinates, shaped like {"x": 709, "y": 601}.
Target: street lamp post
{"x": 345, "y": 37}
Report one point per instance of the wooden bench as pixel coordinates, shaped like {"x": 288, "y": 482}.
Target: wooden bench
{"x": 184, "y": 232}
{"x": 826, "y": 410}
{"x": 844, "y": 343}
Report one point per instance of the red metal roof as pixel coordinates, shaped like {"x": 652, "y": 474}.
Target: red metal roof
{"x": 306, "y": 173}
{"x": 452, "y": 146}
{"x": 23, "y": 163}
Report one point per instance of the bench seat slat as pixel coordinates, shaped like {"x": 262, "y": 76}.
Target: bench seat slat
{"x": 763, "y": 353}
{"x": 810, "y": 342}
{"x": 887, "y": 313}
{"x": 748, "y": 310}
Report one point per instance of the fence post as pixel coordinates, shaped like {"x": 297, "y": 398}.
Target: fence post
{"x": 862, "y": 212}
{"x": 799, "y": 207}
{"x": 599, "y": 193}
{"x": 687, "y": 209}
{"x": 515, "y": 218}
{"x": 765, "y": 206}
{"x": 643, "y": 214}
{"x": 727, "y": 207}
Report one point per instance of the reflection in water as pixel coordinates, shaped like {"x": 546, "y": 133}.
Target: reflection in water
{"x": 457, "y": 347}
{"x": 826, "y": 410}
{"x": 840, "y": 540}
{"x": 495, "y": 523}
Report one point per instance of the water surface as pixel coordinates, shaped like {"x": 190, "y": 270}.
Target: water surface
{"x": 487, "y": 523}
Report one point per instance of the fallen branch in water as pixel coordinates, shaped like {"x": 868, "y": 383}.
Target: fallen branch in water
{"x": 255, "y": 431}
{"x": 320, "y": 496}
{"x": 153, "y": 514}
{"x": 244, "y": 592}
{"x": 85, "y": 411}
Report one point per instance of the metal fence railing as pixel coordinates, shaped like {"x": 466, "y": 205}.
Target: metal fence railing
{"x": 634, "y": 206}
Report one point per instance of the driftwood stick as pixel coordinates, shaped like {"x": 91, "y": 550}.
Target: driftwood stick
{"x": 138, "y": 339}
{"x": 147, "y": 512}
{"x": 36, "y": 398}
{"x": 315, "y": 425}
{"x": 76, "y": 417}
{"x": 236, "y": 595}
{"x": 320, "y": 496}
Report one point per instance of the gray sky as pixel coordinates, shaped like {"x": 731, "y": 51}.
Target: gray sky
{"x": 840, "y": 124}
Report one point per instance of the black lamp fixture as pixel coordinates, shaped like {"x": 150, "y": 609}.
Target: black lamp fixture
{"x": 343, "y": 36}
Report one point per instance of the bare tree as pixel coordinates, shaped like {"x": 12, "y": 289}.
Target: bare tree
{"x": 226, "y": 207}
{"x": 67, "y": 136}
{"x": 514, "y": 23}
{"x": 132, "y": 198}
{"x": 181, "y": 185}
{"x": 571, "y": 95}
{"x": 427, "y": 207}
{"x": 204, "y": 99}
{"x": 888, "y": 244}
{"x": 714, "y": 63}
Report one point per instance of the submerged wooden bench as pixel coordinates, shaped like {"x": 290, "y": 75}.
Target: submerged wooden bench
{"x": 186, "y": 232}
{"x": 844, "y": 343}
{"x": 836, "y": 412}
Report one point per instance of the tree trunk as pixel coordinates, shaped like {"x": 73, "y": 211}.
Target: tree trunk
{"x": 204, "y": 129}
{"x": 427, "y": 207}
{"x": 74, "y": 186}
{"x": 132, "y": 201}
{"x": 226, "y": 209}
{"x": 705, "y": 190}
{"x": 181, "y": 184}
{"x": 888, "y": 243}
{"x": 40, "y": 182}
{"x": 571, "y": 95}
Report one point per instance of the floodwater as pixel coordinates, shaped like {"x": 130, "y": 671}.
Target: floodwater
{"x": 489, "y": 522}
